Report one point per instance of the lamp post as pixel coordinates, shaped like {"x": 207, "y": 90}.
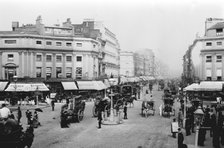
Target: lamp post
{"x": 37, "y": 92}
{"x": 111, "y": 100}
{"x": 15, "y": 79}
{"x": 198, "y": 116}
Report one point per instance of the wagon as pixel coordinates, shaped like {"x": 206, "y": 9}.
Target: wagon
{"x": 168, "y": 108}
{"x": 73, "y": 111}
{"x": 147, "y": 108}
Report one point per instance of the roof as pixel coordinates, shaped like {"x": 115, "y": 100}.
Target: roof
{"x": 217, "y": 26}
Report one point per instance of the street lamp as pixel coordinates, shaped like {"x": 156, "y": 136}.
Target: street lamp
{"x": 198, "y": 117}
{"x": 37, "y": 93}
{"x": 15, "y": 79}
{"x": 111, "y": 96}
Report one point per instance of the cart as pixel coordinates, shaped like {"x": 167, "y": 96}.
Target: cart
{"x": 168, "y": 109}
{"x": 147, "y": 108}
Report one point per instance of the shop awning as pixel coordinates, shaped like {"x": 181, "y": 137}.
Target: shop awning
{"x": 3, "y": 85}
{"x": 69, "y": 85}
{"x": 27, "y": 87}
{"x": 192, "y": 87}
{"x": 210, "y": 86}
{"x": 91, "y": 85}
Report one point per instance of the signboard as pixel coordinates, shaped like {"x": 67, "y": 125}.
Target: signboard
{"x": 174, "y": 127}
{"x": 52, "y": 95}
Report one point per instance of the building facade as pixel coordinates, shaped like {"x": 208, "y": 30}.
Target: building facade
{"x": 204, "y": 58}
{"x": 110, "y": 48}
{"x": 40, "y": 51}
{"x": 127, "y": 67}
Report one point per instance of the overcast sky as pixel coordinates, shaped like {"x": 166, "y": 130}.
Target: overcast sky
{"x": 166, "y": 26}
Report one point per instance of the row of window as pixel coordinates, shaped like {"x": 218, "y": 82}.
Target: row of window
{"x": 217, "y": 43}
{"x": 68, "y": 72}
{"x": 209, "y": 58}
{"x": 58, "y": 58}
{"x": 49, "y": 58}
{"x": 49, "y": 43}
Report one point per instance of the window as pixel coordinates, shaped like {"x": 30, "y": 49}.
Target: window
{"x": 94, "y": 45}
{"x": 68, "y": 72}
{"x": 219, "y": 78}
{"x": 58, "y": 72}
{"x": 68, "y": 44}
{"x": 58, "y": 58}
{"x": 79, "y": 44}
{"x": 219, "y": 43}
{"x": 208, "y": 43}
{"x": 208, "y": 59}
{"x": 48, "y": 72}
{"x": 218, "y": 58}
{"x": 209, "y": 78}
{"x": 58, "y": 43}
{"x": 78, "y": 72}
{"x": 38, "y": 57}
{"x": 209, "y": 74}
{"x": 78, "y": 58}
{"x": 48, "y": 43}
{"x": 38, "y": 72}
{"x": 68, "y": 58}
{"x": 219, "y": 32}
{"x": 219, "y": 74}
{"x": 38, "y": 42}
{"x": 10, "y": 57}
{"x": 10, "y": 41}
{"x": 48, "y": 58}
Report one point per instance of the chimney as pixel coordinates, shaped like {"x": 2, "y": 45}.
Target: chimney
{"x": 15, "y": 25}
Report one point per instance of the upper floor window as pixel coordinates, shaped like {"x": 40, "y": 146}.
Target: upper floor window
{"x": 68, "y": 44}
{"x": 10, "y": 57}
{"x": 219, "y": 31}
{"x": 48, "y": 58}
{"x": 208, "y": 43}
{"x": 78, "y": 58}
{"x": 94, "y": 45}
{"x": 38, "y": 42}
{"x": 58, "y": 43}
{"x": 68, "y": 58}
{"x": 10, "y": 41}
{"x": 208, "y": 58}
{"x": 218, "y": 58}
{"x": 58, "y": 58}
{"x": 39, "y": 57}
{"x": 79, "y": 44}
{"x": 219, "y": 43}
{"x": 48, "y": 43}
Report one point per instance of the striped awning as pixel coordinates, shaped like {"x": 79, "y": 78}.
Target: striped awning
{"x": 69, "y": 85}
{"x": 3, "y": 85}
{"x": 91, "y": 85}
{"x": 26, "y": 87}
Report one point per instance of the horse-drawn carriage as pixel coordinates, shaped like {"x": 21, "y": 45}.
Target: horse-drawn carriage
{"x": 72, "y": 111}
{"x": 168, "y": 108}
{"x": 127, "y": 94}
{"x": 13, "y": 136}
{"x": 147, "y": 108}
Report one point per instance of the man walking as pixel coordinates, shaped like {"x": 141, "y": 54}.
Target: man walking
{"x": 4, "y": 112}
{"x": 52, "y": 104}
{"x": 19, "y": 114}
{"x": 99, "y": 118}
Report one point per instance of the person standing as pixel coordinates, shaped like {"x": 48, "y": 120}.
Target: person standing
{"x": 28, "y": 116}
{"x": 180, "y": 139}
{"x": 19, "y": 114}
{"x": 4, "y": 112}
{"x": 99, "y": 118}
{"x": 125, "y": 111}
{"x": 52, "y": 104}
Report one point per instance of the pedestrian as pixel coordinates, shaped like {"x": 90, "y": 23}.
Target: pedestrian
{"x": 180, "y": 139}
{"x": 19, "y": 114}
{"x": 99, "y": 118}
{"x": 64, "y": 112}
{"x": 52, "y": 104}
{"x": 125, "y": 111}
{"x": 188, "y": 126}
{"x": 180, "y": 118}
{"x": 36, "y": 122}
{"x": 174, "y": 128}
{"x": 28, "y": 116}
{"x": 4, "y": 112}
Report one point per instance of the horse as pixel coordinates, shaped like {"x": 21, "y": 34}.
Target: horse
{"x": 129, "y": 100}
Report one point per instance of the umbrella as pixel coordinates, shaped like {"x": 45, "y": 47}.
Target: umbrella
{"x": 38, "y": 110}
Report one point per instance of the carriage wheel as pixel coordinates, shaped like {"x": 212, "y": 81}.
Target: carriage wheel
{"x": 80, "y": 115}
{"x": 94, "y": 111}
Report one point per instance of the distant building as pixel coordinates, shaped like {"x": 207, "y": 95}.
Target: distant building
{"x": 127, "y": 67}
{"x": 204, "y": 58}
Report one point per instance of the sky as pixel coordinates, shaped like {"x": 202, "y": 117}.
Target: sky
{"x": 167, "y": 27}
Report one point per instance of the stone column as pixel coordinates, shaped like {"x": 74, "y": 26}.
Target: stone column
{"x": 213, "y": 70}
{"x": 63, "y": 64}
{"x": 54, "y": 66}
{"x": 44, "y": 66}
{"x": 29, "y": 64}
{"x": 25, "y": 64}
{"x": 20, "y": 74}
{"x": 73, "y": 65}
{"x": 1, "y": 66}
{"x": 33, "y": 66}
